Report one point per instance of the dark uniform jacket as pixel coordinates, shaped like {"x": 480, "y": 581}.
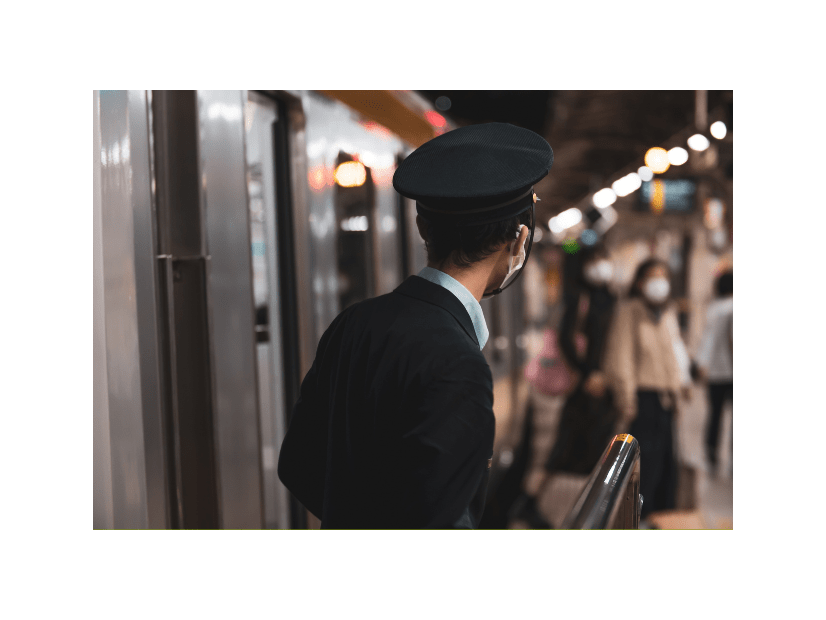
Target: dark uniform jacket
{"x": 394, "y": 424}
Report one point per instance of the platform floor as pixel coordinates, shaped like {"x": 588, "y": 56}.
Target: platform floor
{"x": 714, "y": 493}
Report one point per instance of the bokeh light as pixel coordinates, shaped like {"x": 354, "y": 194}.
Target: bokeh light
{"x": 714, "y": 211}
{"x": 657, "y": 159}
{"x": 358, "y": 223}
{"x": 658, "y": 197}
{"x": 677, "y": 156}
{"x": 604, "y": 198}
{"x": 631, "y": 182}
{"x": 351, "y": 174}
{"x": 698, "y": 142}
{"x": 565, "y": 220}
{"x": 435, "y": 119}
{"x": 718, "y": 130}
{"x": 570, "y": 245}
{"x": 376, "y": 128}
{"x": 443, "y": 103}
{"x": 317, "y": 178}
{"x": 646, "y": 174}
{"x": 569, "y": 218}
{"x": 588, "y": 237}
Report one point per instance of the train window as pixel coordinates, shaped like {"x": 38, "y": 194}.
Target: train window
{"x": 355, "y": 214}
{"x": 260, "y": 117}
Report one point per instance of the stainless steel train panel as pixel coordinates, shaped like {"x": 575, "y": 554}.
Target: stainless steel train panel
{"x": 301, "y": 230}
{"x": 102, "y": 508}
{"x": 125, "y": 196}
{"x": 321, "y": 121}
{"x": 379, "y": 153}
{"x": 229, "y": 277}
{"x": 146, "y": 283}
{"x": 182, "y": 304}
{"x": 259, "y": 120}
{"x": 333, "y": 128}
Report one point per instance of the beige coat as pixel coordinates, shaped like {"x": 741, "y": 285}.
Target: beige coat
{"x": 643, "y": 353}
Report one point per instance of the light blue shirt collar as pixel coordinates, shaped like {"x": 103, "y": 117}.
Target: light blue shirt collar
{"x": 474, "y": 309}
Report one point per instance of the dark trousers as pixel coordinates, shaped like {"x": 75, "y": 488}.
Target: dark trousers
{"x": 654, "y": 429}
{"x": 718, "y": 394}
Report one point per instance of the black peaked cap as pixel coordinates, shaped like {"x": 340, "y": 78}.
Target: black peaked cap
{"x": 476, "y": 174}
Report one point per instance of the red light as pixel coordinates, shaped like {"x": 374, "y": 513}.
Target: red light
{"x": 377, "y": 129}
{"x": 435, "y": 119}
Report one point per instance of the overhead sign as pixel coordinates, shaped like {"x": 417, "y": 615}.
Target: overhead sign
{"x": 660, "y": 195}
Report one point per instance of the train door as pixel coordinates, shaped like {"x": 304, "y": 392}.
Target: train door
{"x": 260, "y": 122}
{"x": 357, "y": 233}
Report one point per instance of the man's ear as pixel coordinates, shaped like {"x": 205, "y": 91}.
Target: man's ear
{"x": 520, "y": 240}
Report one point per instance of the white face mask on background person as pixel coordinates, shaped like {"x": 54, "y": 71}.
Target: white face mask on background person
{"x": 656, "y": 290}
{"x": 515, "y": 261}
{"x": 599, "y": 272}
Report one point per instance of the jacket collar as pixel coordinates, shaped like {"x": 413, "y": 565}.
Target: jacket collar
{"x": 419, "y": 288}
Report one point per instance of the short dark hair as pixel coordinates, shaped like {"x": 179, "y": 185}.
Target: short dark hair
{"x": 725, "y": 284}
{"x": 642, "y": 272}
{"x": 466, "y": 245}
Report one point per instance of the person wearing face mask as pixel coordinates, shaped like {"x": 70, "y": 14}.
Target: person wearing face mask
{"x": 588, "y": 312}
{"x": 587, "y": 417}
{"x": 394, "y": 426}
{"x": 648, "y": 367}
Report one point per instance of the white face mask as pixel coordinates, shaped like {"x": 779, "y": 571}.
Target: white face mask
{"x": 516, "y": 262}
{"x": 599, "y": 272}
{"x": 657, "y": 290}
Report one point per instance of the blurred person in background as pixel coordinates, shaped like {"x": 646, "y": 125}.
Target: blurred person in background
{"x": 587, "y": 418}
{"x": 647, "y": 366}
{"x": 715, "y": 361}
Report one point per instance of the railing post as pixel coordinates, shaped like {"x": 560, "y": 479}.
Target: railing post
{"x": 611, "y": 498}
{"x": 628, "y": 514}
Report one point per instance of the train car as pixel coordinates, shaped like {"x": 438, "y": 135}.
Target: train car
{"x": 231, "y": 227}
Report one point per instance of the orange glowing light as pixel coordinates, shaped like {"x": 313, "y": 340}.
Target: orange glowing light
{"x": 657, "y": 160}
{"x": 316, "y": 178}
{"x": 351, "y": 174}
{"x": 435, "y": 119}
{"x": 658, "y": 196}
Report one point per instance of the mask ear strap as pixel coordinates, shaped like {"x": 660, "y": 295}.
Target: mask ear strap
{"x": 525, "y": 262}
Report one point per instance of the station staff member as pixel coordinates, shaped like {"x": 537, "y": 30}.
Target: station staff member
{"x": 394, "y": 424}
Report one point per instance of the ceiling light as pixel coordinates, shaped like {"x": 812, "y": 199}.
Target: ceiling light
{"x": 569, "y": 218}
{"x": 657, "y": 159}
{"x": 718, "y": 130}
{"x": 629, "y": 183}
{"x": 698, "y": 142}
{"x": 677, "y": 156}
{"x": 646, "y": 174}
{"x": 604, "y": 198}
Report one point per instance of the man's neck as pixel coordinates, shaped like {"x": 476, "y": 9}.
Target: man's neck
{"x": 474, "y": 278}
